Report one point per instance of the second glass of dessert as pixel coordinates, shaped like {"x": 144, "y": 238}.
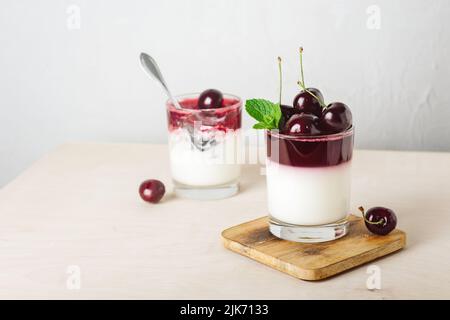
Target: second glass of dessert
{"x": 204, "y": 144}
{"x": 308, "y": 165}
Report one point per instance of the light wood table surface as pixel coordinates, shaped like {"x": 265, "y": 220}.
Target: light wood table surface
{"x": 79, "y": 206}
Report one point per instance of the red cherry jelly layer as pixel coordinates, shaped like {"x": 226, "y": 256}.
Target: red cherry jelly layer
{"x": 227, "y": 117}
{"x": 310, "y": 151}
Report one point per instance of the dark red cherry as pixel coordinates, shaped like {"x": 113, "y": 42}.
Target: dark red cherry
{"x": 379, "y": 220}
{"x": 152, "y": 190}
{"x": 304, "y": 123}
{"x": 286, "y": 113}
{"x": 336, "y": 117}
{"x": 210, "y": 99}
{"x": 305, "y": 102}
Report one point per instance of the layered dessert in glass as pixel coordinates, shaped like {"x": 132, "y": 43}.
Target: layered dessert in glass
{"x": 308, "y": 185}
{"x": 308, "y": 166}
{"x": 204, "y": 144}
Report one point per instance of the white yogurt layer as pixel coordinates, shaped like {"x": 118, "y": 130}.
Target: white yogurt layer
{"x": 215, "y": 166}
{"x": 308, "y": 196}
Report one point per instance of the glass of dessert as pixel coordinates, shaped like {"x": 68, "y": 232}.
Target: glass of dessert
{"x": 204, "y": 144}
{"x": 308, "y": 165}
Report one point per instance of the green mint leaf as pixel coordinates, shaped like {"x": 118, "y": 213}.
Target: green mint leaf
{"x": 265, "y": 112}
{"x": 259, "y": 108}
{"x": 260, "y": 125}
{"x": 277, "y": 114}
{"x": 268, "y": 118}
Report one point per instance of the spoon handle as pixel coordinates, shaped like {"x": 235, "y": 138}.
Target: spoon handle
{"x": 151, "y": 67}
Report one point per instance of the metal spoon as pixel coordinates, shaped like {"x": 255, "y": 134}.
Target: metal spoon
{"x": 151, "y": 67}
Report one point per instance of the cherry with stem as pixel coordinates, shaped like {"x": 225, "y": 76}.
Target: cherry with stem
{"x": 301, "y": 82}
{"x": 364, "y": 217}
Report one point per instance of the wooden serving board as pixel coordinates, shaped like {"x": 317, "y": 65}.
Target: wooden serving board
{"x": 311, "y": 261}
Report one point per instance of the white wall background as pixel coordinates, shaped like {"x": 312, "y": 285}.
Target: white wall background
{"x": 62, "y": 84}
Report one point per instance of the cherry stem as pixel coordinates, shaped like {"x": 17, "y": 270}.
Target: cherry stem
{"x": 281, "y": 79}
{"x": 302, "y": 78}
{"x": 369, "y": 222}
{"x": 301, "y": 82}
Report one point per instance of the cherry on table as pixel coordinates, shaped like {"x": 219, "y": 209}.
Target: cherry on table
{"x": 303, "y": 123}
{"x": 305, "y": 102}
{"x": 210, "y": 99}
{"x": 379, "y": 220}
{"x": 336, "y": 117}
{"x": 152, "y": 190}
